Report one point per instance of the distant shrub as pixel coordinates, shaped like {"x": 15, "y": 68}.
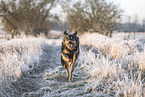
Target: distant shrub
{"x": 30, "y": 17}
{"x": 100, "y": 16}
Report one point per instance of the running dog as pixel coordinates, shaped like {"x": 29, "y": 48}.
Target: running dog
{"x": 69, "y": 52}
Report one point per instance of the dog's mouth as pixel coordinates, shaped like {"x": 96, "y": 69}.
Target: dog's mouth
{"x": 70, "y": 45}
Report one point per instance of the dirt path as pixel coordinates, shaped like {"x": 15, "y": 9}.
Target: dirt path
{"x": 46, "y": 78}
{"x": 54, "y": 81}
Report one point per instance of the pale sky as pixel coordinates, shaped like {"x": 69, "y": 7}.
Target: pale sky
{"x": 133, "y": 7}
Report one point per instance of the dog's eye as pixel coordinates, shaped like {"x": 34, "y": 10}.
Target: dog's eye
{"x": 71, "y": 38}
{"x": 66, "y": 38}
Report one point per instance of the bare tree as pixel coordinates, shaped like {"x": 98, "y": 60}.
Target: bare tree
{"x": 76, "y": 16}
{"x": 99, "y": 15}
{"x": 28, "y": 16}
{"x": 135, "y": 24}
{"x": 143, "y": 24}
{"x": 129, "y": 23}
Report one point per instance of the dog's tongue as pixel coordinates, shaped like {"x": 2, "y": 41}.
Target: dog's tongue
{"x": 70, "y": 45}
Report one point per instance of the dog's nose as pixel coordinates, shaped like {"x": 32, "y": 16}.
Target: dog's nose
{"x": 70, "y": 42}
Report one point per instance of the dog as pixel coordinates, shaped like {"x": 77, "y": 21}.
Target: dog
{"x": 69, "y": 52}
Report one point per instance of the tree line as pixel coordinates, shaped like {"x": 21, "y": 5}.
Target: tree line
{"x": 133, "y": 24}
{"x": 33, "y": 17}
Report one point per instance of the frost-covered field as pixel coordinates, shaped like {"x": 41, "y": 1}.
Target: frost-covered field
{"x": 30, "y": 67}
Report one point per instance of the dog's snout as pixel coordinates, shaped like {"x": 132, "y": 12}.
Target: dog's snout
{"x": 70, "y": 42}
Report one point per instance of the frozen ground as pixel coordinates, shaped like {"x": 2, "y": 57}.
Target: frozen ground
{"x": 30, "y": 67}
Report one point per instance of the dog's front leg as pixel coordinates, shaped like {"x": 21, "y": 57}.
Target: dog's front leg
{"x": 72, "y": 66}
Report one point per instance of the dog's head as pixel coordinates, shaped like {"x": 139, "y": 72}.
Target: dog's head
{"x": 70, "y": 40}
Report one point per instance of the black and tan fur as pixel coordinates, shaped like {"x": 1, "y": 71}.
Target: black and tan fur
{"x": 69, "y": 52}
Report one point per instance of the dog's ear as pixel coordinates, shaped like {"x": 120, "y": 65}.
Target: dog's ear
{"x": 75, "y": 33}
{"x": 65, "y": 33}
